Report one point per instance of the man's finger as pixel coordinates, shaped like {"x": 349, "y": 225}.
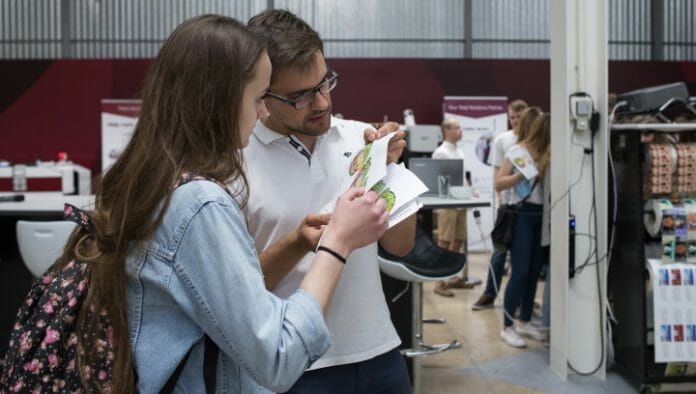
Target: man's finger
{"x": 317, "y": 219}
{"x": 370, "y": 135}
{"x": 387, "y": 128}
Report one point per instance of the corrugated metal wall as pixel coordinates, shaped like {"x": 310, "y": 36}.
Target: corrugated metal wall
{"x": 30, "y": 29}
{"x": 136, "y": 28}
{"x": 386, "y": 28}
{"x": 629, "y": 29}
{"x": 638, "y": 29}
{"x": 510, "y": 29}
{"x": 679, "y": 30}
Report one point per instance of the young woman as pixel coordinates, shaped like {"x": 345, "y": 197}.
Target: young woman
{"x": 170, "y": 257}
{"x": 526, "y": 256}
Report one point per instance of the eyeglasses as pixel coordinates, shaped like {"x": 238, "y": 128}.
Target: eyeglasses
{"x": 307, "y": 97}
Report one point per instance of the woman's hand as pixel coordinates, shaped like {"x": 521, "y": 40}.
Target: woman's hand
{"x": 505, "y": 178}
{"x": 359, "y": 219}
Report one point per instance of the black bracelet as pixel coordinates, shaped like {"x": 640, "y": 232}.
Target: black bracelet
{"x": 333, "y": 253}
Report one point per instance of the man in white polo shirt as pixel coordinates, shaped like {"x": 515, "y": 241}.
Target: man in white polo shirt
{"x": 451, "y": 222}
{"x": 295, "y": 162}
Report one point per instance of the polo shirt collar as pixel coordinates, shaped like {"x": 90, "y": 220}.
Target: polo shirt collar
{"x": 266, "y": 135}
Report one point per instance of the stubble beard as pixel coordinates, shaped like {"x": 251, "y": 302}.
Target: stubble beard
{"x": 306, "y": 128}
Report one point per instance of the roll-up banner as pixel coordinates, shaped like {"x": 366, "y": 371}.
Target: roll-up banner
{"x": 118, "y": 119}
{"x": 482, "y": 119}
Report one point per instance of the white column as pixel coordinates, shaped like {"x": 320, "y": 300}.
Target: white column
{"x": 579, "y": 57}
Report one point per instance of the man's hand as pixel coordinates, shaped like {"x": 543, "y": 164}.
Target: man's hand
{"x": 311, "y": 228}
{"x": 396, "y": 144}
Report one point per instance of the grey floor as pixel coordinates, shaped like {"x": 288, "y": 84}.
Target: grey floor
{"x": 484, "y": 364}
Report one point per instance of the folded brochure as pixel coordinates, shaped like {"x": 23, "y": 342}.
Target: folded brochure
{"x": 522, "y": 161}
{"x": 398, "y": 186}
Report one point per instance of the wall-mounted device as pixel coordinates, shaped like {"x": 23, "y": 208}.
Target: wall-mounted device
{"x": 581, "y": 109}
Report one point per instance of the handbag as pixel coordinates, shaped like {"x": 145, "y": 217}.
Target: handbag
{"x": 504, "y": 227}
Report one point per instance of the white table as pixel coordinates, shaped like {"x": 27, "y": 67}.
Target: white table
{"x": 435, "y": 202}
{"x": 43, "y": 203}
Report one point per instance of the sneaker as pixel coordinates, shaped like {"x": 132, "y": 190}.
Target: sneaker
{"x": 484, "y": 302}
{"x": 441, "y": 288}
{"x": 512, "y": 338}
{"x": 530, "y": 331}
{"x": 459, "y": 283}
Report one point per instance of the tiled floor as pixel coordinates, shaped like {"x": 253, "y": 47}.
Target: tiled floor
{"x": 479, "y": 366}
{"x": 477, "y": 331}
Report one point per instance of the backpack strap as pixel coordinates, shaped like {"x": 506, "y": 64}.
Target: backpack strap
{"x": 210, "y": 355}
{"x": 78, "y": 216}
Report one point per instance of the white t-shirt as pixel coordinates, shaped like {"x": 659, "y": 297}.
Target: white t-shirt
{"x": 284, "y": 186}
{"x": 535, "y": 197}
{"x": 502, "y": 143}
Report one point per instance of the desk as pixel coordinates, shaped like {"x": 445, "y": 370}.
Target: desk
{"x": 434, "y": 202}
{"x": 42, "y": 204}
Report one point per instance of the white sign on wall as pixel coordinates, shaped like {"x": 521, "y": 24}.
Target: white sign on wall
{"x": 482, "y": 119}
{"x": 118, "y": 119}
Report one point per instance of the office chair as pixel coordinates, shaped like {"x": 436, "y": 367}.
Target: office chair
{"x": 426, "y": 262}
{"x": 41, "y": 243}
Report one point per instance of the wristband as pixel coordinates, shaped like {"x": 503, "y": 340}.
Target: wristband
{"x": 331, "y": 252}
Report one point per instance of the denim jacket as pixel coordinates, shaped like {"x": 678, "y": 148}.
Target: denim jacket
{"x": 199, "y": 273}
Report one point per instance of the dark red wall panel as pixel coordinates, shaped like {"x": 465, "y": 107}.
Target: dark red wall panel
{"x": 52, "y": 106}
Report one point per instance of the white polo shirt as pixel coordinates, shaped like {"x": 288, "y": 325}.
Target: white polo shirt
{"x": 448, "y": 150}
{"x": 285, "y": 184}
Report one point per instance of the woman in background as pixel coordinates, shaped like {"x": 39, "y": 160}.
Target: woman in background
{"x": 526, "y": 255}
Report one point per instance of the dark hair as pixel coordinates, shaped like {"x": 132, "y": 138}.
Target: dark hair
{"x": 517, "y": 105}
{"x": 289, "y": 40}
{"x": 189, "y": 121}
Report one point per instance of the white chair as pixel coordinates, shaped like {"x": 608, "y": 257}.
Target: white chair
{"x": 426, "y": 262}
{"x": 42, "y": 243}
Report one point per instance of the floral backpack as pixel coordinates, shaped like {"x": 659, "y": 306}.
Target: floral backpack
{"x": 42, "y": 352}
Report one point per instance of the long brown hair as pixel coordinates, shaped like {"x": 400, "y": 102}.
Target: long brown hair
{"x": 538, "y": 143}
{"x": 189, "y": 121}
{"x": 524, "y": 128}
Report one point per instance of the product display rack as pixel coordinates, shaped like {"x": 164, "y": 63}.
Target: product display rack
{"x": 628, "y": 276}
